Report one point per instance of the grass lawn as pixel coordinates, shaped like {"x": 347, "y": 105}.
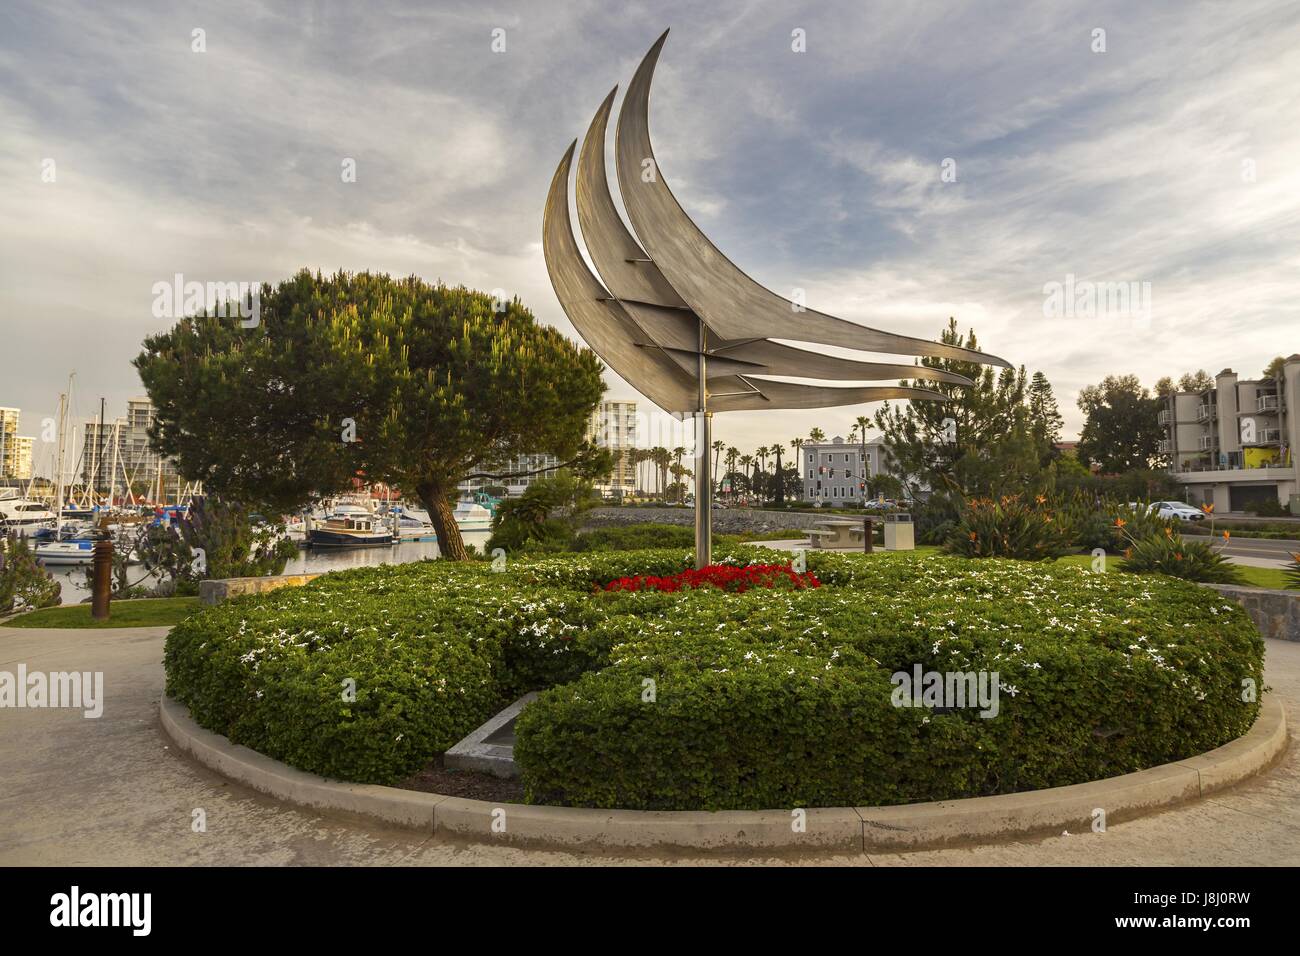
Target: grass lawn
{"x": 148, "y": 612}
{"x": 1251, "y": 576}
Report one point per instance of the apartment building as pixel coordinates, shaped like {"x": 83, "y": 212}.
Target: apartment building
{"x": 1232, "y": 445}
{"x": 613, "y": 425}
{"x": 15, "y": 449}
{"x": 137, "y": 464}
{"x": 838, "y": 471}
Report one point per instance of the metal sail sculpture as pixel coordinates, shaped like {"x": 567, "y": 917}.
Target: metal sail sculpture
{"x": 680, "y": 322}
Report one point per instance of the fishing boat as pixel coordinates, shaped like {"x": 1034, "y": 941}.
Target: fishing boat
{"x": 351, "y": 531}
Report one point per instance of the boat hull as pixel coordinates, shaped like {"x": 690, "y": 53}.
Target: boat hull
{"x": 326, "y": 538}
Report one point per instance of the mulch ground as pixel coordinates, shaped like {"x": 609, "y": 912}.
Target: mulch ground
{"x": 467, "y": 784}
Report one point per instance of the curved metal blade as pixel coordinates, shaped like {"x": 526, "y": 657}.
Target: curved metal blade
{"x": 648, "y": 297}
{"x": 770, "y": 395}
{"x": 732, "y": 304}
{"x": 599, "y": 320}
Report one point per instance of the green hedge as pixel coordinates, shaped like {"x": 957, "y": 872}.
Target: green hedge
{"x": 764, "y": 699}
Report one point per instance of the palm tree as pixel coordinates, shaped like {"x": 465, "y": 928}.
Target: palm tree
{"x": 816, "y": 436}
{"x": 862, "y": 423}
{"x": 663, "y": 458}
{"x": 718, "y": 446}
{"x": 745, "y": 462}
{"x": 679, "y": 453}
{"x": 639, "y": 456}
{"x": 733, "y": 454}
{"x": 761, "y": 454}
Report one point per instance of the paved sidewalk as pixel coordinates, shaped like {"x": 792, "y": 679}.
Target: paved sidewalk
{"x": 101, "y": 792}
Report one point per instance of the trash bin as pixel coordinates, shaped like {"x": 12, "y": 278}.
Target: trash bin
{"x": 899, "y": 534}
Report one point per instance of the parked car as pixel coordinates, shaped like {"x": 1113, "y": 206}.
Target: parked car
{"x": 1177, "y": 509}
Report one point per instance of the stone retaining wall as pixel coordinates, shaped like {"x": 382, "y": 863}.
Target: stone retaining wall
{"x": 216, "y": 591}
{"x": 1275, "y": 613}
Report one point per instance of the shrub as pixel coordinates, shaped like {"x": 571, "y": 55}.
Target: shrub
{"x": 24, "y": 584}
{"x": 544, "y": 518}
{"x": 1010, "y": 527}
{"x": 1170, "y": 553}
{"x": 1270, "y": 508}
{"x": 233, "y": 546}
{"x": 1292, "y": 573}
{"x": 636, "y": 537}
{"x": 768, "y": 698}
{"x": 782, "y": 699}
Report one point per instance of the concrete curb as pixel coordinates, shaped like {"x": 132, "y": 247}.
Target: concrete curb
{"x": 834, "y": 829}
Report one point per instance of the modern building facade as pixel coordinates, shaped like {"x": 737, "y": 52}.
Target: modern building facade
{"x": 839, "y": 471}
{"x": 118, "y": 453}
{"x": 15, "y": 449}
{"x": 524, "y": 470}
{"x": 1232, "y": 445}
{"x": 613, "y": 425}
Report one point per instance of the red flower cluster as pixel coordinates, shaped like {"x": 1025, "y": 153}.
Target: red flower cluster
{"x": 725, "y": 577}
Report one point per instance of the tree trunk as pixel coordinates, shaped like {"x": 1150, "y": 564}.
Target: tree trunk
{"x": 450, "y": 544}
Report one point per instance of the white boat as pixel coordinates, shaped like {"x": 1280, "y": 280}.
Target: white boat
{"x": 414, "y": 526}
{"x": 79, "y": 549}
{"x": 472, "y": 516}
{"x": 25, "y": 514}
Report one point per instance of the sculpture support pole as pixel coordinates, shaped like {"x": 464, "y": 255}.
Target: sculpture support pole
{"x": 703, "y": 475}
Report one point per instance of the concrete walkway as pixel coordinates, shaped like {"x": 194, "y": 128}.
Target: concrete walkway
{"x": 82, "y": 792}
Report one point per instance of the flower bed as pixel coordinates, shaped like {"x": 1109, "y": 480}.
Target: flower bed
{"x": 695, "y": 698}
{"x": 724, "y": 577}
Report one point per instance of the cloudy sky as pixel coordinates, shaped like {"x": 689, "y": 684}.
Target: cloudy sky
{"x": 1169, "y": 159}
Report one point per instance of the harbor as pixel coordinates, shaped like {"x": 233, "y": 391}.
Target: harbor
{"x": 76, "y": 589}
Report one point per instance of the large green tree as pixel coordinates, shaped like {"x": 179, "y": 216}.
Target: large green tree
{"x": 361, "y": 375}
{"x": 979, "y": 442}
{"x": 1045, "y": 419}
{"x": 1121, "y": 431}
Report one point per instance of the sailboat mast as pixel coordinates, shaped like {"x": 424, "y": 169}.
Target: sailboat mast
{"x": 112, "y": 474}
{"x": 58, "y": 478}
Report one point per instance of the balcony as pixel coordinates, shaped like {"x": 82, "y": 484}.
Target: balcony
{"x": 1165, "y": 447}
{"x": 1265, "y": 436}
{"x": 1164, "y": 418}
{"x": 1208, "y": 442}
{"x": 1205, "y": 412}
{"x": 1266, "y": 403}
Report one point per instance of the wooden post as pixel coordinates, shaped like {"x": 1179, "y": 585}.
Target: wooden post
{"x": 103, "y": 580}
{"x": 866, "y": 534}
